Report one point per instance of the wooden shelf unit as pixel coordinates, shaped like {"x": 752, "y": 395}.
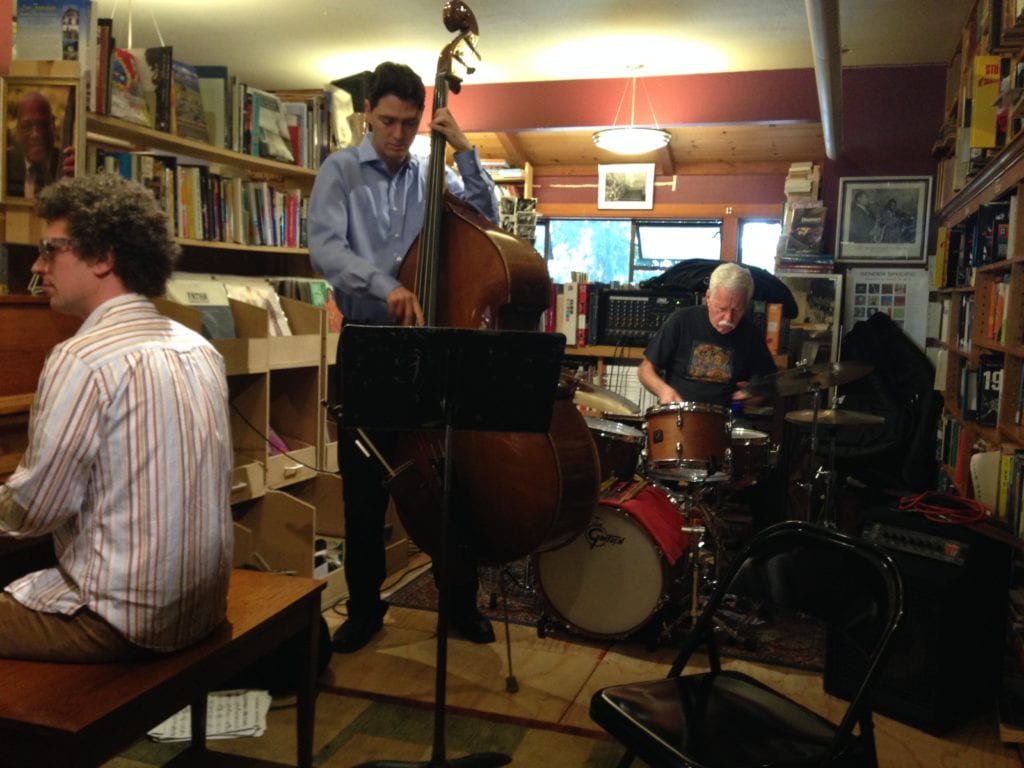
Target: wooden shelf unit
{"x": 1001, "y": 177}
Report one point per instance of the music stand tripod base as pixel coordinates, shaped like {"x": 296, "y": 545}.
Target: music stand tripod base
{"x": 428, "y": 378}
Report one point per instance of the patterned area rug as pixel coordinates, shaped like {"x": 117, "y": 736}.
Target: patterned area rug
{"x": 794, "y": 642}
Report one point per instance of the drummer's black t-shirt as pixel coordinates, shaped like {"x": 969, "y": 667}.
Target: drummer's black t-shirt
{"x": 703, "y": 365}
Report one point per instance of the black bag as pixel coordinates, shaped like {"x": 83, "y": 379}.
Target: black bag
{"x": 900, "y": 453}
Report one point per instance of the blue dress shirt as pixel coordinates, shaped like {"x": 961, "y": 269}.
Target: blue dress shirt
{"x": 362, "y": 221}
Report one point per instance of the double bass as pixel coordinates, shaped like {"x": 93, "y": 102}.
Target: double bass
{"x": 515, "y": 493}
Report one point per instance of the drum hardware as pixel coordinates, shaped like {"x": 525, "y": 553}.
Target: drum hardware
{"x": 824, "y": 477}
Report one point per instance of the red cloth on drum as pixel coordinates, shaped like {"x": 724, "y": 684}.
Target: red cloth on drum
{"x": 661, "y": 518}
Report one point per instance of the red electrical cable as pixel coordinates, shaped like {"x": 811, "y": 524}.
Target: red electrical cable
{"x": 945, "y": 507}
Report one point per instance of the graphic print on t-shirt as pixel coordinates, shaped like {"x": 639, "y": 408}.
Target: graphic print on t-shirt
{"x": 710, "y": 362}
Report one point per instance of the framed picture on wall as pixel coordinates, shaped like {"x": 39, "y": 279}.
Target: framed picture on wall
{"x": 625, "y": 187}
{"x": 883, "y": 219}
{"x": 42, "y": 134}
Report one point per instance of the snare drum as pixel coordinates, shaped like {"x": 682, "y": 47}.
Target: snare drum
{"x": 611, "y": 579}
{"x": 688, "y": 441}
{"x": 749, "y": 454}
{"x": 618, "y": 447}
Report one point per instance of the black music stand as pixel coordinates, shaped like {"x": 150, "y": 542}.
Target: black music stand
{"x": 450, "y": 378}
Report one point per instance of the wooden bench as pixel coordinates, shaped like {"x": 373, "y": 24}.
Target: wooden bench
{"x": 80, "y": 715}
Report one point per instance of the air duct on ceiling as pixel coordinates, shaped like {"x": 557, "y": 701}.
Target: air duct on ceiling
{"x": 823, "y": 22}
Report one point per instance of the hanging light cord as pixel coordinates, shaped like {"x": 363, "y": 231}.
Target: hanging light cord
{"x": 945, "y": 508}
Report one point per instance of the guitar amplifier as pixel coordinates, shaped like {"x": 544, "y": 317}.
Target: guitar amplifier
{"x": 630, "y": 317}
{"x": 946, "y": 659}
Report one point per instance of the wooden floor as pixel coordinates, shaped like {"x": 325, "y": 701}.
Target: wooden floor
{"x": 556, "y": 677}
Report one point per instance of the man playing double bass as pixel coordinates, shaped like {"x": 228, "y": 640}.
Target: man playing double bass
{"x": 366, "y": 209}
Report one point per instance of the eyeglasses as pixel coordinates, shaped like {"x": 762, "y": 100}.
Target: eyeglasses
{"x": 51, "y": 246}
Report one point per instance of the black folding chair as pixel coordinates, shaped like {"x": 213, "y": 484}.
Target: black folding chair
{"x": 790, "y": 576}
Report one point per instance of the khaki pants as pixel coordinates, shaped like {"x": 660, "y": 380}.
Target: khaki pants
{"x": 83, "y": 637}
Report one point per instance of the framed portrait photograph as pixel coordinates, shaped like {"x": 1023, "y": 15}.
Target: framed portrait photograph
{"x": 625, "y": 187}
{"x": 883, "y": 218}
{"x": 43, "y": 136}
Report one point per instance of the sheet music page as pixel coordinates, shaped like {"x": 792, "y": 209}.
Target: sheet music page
{"x": 229, "y": 715}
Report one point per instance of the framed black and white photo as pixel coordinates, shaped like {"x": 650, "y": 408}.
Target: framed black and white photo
{"x": 883, "y": 219}
{"x": 43, "y": 138}
{"x": 625, "y": 187}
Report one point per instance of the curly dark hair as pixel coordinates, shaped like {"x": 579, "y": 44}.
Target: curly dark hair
{"x": 105, "y": 212}
{"x": 391, "y": 79}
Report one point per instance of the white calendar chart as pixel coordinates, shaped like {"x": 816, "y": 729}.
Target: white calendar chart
{"x": 902, "y": 294}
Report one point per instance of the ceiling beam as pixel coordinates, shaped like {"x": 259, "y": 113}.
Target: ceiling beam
{"x": 514, "y": 151}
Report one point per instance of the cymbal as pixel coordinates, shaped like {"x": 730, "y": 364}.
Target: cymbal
{"x": 597, "y": 397}
{"x": 835, "y": 418}
{"x": 807, "y": 378}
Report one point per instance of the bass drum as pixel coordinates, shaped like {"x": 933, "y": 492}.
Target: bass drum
{"x": 610, "y": 580}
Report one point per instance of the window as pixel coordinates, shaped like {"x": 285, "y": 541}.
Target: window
{"x": 663, "y": 244}
{"x": 624, "y": 251}
{"x": 758, "y": 242}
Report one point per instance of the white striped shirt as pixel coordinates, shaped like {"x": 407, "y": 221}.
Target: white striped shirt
{"x": 129, "y": 467}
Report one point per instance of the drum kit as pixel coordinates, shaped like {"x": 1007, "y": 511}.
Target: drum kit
{"x": 655, "y": 538}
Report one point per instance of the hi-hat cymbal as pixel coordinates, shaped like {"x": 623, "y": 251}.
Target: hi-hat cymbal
{"x": 597, "y": 397}
{"x": 806, "y": 378}
{"x": 835, "y": 418}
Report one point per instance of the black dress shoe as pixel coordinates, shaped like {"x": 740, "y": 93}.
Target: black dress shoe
{"x": 356, "y": 632}
{"x": 473, "y": 626}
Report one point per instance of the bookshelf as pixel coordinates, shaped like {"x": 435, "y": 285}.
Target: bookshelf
{"x": 979, "y": 280}
{"x": 276, "y": 384}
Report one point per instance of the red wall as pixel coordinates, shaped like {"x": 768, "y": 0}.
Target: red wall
{"x": 890, "y": 117}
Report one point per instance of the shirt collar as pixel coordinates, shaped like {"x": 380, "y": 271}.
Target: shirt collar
{"x": 368, "y": 156}
{"x": 96, "y": 316}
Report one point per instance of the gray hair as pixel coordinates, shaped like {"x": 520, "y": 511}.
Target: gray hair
{"x": 732, "y": 278}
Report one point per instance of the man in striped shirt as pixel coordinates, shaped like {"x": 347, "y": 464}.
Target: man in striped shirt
{"x": 128, "y": 464}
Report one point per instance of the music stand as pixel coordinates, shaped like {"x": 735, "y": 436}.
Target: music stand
{"x": 429, "y": 378}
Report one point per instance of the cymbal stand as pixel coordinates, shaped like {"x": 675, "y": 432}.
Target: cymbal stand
{"x": 826, "y": 513}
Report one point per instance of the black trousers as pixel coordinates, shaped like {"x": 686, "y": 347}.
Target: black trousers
{"x": 366, "y": 503}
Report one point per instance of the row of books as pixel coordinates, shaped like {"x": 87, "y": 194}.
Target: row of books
{"x": 954, "y": 445}
{"x": 573, "y": 310}
{"x": 979, "y": 390}
{"x": 994, "y": 296}
{"x": 984, "y": 238}
{"x": 204, "y": 205}
{"x": 205, "y": 102}
{"x": 997, "y": 478}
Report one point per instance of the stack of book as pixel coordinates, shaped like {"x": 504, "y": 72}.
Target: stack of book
{"x": 802, "y": 181}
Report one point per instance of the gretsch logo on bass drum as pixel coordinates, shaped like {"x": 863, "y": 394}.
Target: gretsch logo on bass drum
{"x": 597, "y": 536}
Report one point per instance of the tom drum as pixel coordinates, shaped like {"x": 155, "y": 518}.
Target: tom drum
{"x": 612, "y": 578}
{"x": 688, "y": 441}
{"x": 750, "y": 450}
{"x": 618, "y": 447}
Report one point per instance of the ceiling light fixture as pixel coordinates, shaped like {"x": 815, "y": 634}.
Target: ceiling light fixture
{"x": 632, "y": 139}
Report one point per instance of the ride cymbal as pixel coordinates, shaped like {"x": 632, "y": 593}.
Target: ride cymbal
{"x": 806, "y": 379}
{"x": 835, "y": 418}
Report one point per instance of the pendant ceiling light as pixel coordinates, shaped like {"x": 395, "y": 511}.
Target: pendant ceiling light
{"x": 632, "y": 139}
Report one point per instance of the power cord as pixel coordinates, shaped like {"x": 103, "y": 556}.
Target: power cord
{"x": 948, "y": 508}
{"x": 266, "y": 439}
